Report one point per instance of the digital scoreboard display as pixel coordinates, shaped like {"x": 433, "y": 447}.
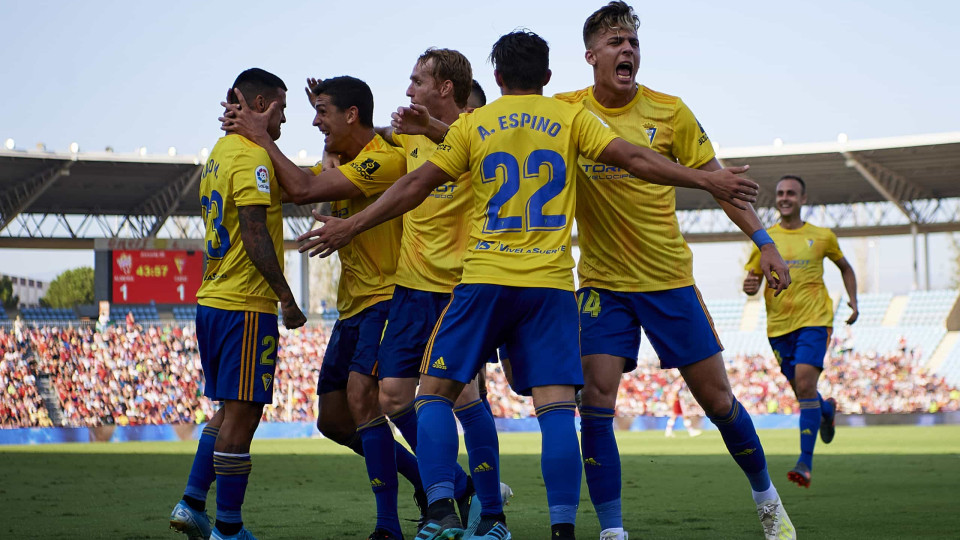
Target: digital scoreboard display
{"x": 160, "y": 276}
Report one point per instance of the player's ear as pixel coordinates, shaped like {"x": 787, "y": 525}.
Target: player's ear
{"x": 261, "y": 103}
{"x": 498, "y": 78}
{"x": 590, "y": 57}
{"x": 446, "y": 88}
{"x": 352, "y": 114}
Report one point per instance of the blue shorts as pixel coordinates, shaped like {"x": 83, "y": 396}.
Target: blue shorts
{"x": 676, "y": 322}
{"x": 353, "y": 346}
{"x": 413, "y": 315}
{"x": 538, "y": 325}
{"x": 238, "y": 351}
{"x": 802, "y": 346}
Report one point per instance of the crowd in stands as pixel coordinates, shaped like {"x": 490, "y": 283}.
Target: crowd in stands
{"x": 130, "y": 374}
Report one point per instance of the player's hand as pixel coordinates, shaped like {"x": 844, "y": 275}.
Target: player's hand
{"x": 333, "y": 235}
{"x": 774, "y": 269}
{"x": 329, "y": 161}
{"x": 726, "y": 185}
{"x": 412, "y": 120}
{"x": 292, "y": 316}
{"x": 854, "y": 313}
{"x": 311, "y": 85}
{"x": 751, "y": 283}
{"x": 242, "y": 120}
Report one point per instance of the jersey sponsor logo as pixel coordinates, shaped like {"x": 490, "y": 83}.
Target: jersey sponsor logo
{"x": 414, "y": 153}
{"x": 703, "y": 134}
{"x": 366, "y": 168}
{"x": 483, "y": 245}
{"x": 483, "y": 467}
{"x": 267, "y": 379}
{"x": 439, "y": 364}
{"x": 591, "y": 462}
{"x": 798, "y": 263}
{"x": 600, "y": 171}
{"x": 263, "y": 179}
{"x": 444, "y": 191}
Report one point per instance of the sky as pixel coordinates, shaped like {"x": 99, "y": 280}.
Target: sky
{"x": 151, "y": 74}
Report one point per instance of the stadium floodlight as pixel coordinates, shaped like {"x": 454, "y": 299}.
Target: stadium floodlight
{"x": 142, "y": 151}
{"x": 172, "y": 151}
{"x": 302, "y": 153}
{"x": 778, "y": 142}
{"x": 9, "y": 144}
{"x": 842, "y": 138}
{"x": 74, "y": 148}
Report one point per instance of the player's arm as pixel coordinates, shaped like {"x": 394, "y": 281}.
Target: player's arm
{"x": 772, "y": 265}
{"x": 645, "y": 163}
{"x": 850, "y": 284}
{"x": 258, "y": 246}
{"x": 299, "y": 186}
{"x": 404, "y": 195}
{"x": 416, "y": 120}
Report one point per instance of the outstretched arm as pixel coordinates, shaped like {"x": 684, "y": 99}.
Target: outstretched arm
{"x": 850, "y": 284}
{"x": 416, "y": 120}
{"x": 645, "y": 163}
{"x": 258, "y": 246}
{"x": 299, "y": 186}
{"x": 408, "y": 192}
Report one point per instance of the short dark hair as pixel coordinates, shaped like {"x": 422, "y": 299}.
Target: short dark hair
{"x": 345, "y": 92}
{"x": 256, "y": 82}
{"x": 453, "y": 66}
{"x": 803, "y": 185}
{"x": 616, "y": 14}
{"x": 477, "y": 90}
{"x": 522, "y": 58}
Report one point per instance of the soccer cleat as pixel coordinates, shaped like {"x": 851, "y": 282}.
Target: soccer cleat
{"x": 505, "y": 493}
{"x": 244, "y": 534}
{"x": 193, "y": 523}
{"x": 488, "y": 528}
{"x": 448, "y": 528}
{"x": 613, "y": 534}
{"x": 828, "y": 426}
{"x": 800, "y": 475}
{"x": 420, "y": 498}
{"x": 381, "y": 534}
{"x": 467, "y": 502}
{"x": 776, "y": 524}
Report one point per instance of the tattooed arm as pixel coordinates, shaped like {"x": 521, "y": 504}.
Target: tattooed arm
{"x": 259, "y": 248}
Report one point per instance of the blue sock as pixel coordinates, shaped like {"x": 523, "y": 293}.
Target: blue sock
{"x": 407, "y": 466}
{"x": 601, "y": 463}
{"x": 483, "y": 451}
{"x": 233, "y": 472}
{"x": 486, "y": 403}
{"x": 742, "y": 442}
{"x": 437, "y": 456}
{"x": 202, "y": 473}
{"x": 380, "y": 455}
{"x": 406, "y": 421}
{"x": 809, "y": 426}
{"x": 560, "y": 460}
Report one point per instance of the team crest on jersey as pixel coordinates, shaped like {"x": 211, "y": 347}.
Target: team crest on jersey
{"x": 651, "y": 130}
{"x": 267, "y": 379}
{"x": 263, "y": 179}
{"x": 809, "y": 242}
{"x": 366, "y": 168}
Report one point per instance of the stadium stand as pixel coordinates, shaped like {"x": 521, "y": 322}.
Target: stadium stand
{"x": 950, "y": 368}
{"x": 727, "y": 314}
{"x": 3, "y": 314}
{"x": 46, "y": 314}
{"x": 185, "y": 313}
{"x": 873, "y": 308}
{"x": 926, "y": 308}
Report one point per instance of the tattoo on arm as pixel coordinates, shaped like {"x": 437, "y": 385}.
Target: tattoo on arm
{"x": 259, "y": 248}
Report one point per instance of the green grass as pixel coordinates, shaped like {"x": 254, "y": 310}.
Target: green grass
{"x": 878, "y": 482}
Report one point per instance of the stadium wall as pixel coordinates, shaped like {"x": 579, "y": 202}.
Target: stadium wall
{"x": 306, "y": 430}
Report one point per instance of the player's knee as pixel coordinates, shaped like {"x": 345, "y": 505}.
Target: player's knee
{"x": 391, "y": 400}
{"x": 597, "y": 396}
{"x": 337, "y": 431}
{"x": 717, "y": 404}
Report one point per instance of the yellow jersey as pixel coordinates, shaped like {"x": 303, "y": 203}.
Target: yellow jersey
{"x": 806, "y": 302}
{"x": 237, "y": 173}
{"x": 435, "y": 233}
{"x": 521, "y": 152}
{"x": 369, "y": 261}
{"x": 629, "y": 237}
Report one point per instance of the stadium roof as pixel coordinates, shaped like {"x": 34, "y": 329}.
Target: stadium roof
{"x": 53, "y": 195}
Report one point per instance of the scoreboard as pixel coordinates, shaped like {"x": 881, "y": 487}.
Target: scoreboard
{"x": 141, "y": 276}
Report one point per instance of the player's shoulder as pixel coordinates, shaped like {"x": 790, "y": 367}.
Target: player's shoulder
{"x": 379, "y": 146}
{"x": 240, "y": 152}
{"x": 576, "y": 96}
{"x": 820, "y": 231}
{"x": 659, "y": 98}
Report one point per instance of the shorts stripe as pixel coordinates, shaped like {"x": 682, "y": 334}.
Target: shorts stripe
{"x": 709, "y": 318}
{"x": 428, "y": 350}
{"x": 252, "y": 370}
{"x": 243, "y": 354}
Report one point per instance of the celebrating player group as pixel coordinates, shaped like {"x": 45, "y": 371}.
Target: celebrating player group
{"x": 453, "y": 228}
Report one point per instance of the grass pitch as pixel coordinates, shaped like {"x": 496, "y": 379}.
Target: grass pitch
{"x": 877, "y": 482}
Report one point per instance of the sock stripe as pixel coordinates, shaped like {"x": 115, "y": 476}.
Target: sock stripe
{"x": 467, "y": 406}
{"x": 378, "y": 421}
{"x": 423, "y": 400}
{"x": 596, "y": 412}
{"x": 556, "y": 406}
{"x": 402, "y": 412}
{"x": 211, "y": 431}
{"x": 731, "y": 416}
{"x": 810, "y": 403}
